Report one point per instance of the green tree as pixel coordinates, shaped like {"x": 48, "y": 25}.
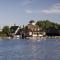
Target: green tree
{"x": 6, "y": 30}
{"x": 47, "y": 25}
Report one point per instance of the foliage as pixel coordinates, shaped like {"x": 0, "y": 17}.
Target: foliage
{"x": 6, "y": 30}
{"x": 47, "y": 25}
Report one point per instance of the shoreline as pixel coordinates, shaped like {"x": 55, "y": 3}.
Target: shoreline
{"x": 58, "y": 37}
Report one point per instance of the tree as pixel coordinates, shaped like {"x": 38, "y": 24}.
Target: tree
{"x": 47, "y": 25}
{"x": 6, "y": 30}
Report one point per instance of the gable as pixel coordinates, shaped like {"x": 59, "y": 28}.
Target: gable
{"x": 13, "y": 29}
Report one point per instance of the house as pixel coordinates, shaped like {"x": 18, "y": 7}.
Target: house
{"x": 1, "y": 30}
{"x": 14, "y": 30}
{"x": 34, "y": 30}
{"x": 31, "y": 30}
{"x": 18, "y": 32}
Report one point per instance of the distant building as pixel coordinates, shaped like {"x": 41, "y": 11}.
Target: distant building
{"x": 34, "y": 30}
{"x": 0, "y": 30}
{"x": 31, "y": 30}
{"x": 14, "y": 30}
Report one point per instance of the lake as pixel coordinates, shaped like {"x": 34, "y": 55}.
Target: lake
{"x": 24, "y": 49}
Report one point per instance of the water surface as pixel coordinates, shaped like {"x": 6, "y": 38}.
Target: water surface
{"x": 24, "y": 49}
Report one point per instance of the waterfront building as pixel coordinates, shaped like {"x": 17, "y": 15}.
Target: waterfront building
{"x": 30, "y": 30}
{"x": 34, "y": 30}
{"x": 14, "y": 30}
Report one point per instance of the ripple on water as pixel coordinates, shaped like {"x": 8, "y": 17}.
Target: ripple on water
{"x": 48, "y": 49}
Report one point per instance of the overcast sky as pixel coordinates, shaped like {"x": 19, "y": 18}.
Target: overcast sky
{"x": 22, "y": 11}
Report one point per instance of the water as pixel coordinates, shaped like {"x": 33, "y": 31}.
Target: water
{"x": 48, "y": 49}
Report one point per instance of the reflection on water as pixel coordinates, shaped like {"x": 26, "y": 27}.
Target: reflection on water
{"x": 48, "y": 49}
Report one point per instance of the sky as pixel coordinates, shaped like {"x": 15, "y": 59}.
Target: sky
{"x": 20, "y": 12}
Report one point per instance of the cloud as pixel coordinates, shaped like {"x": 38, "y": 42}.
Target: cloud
{"x": 29, "y": 11}
{"x": 55, "y": 9}
{"x": 32, "y": 11}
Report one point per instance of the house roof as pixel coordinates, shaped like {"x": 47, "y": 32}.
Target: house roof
{"x": 13, "y": 29}
{"x": 19, "y": 32}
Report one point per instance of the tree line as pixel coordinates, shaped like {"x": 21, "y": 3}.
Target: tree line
{"x": 46, "y": 24}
